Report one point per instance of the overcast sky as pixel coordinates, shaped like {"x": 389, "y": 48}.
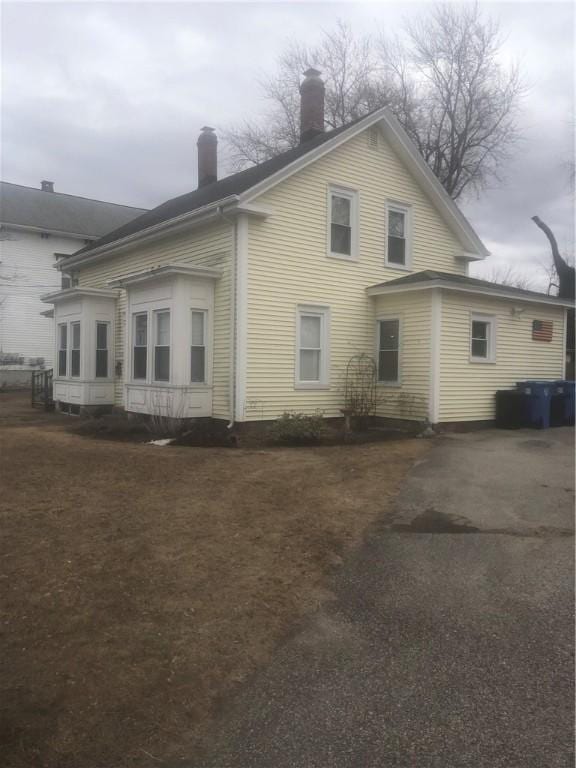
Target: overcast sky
{"x": 107, "y": 99}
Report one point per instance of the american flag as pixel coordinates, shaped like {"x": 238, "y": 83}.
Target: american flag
{"x": 542, "y": 330}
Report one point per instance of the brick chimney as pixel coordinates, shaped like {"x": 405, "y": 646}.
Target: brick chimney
{"x": 311, "y": 105}
{"x": 47, "y": 186}
{"x": 207, "y": 156}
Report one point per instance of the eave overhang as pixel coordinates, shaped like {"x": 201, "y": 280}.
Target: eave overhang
{"x": 164, "y": 272}
{"x": 499, "y": 292}
{"x": 77, "y": 293}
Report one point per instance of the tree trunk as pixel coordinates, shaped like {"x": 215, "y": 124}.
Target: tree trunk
{"x": 566, "y": 277}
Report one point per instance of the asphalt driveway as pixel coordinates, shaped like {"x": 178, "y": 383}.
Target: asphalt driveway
{"x": 449, "y": 641}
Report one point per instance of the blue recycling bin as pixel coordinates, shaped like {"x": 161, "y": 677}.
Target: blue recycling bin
{"x": 567, "y": 389}
{"x": 539, "y": 400}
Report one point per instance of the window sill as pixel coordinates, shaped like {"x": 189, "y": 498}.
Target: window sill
{"x": 400, "y": 267}
{"x": 482, "y": 361}
{"x": 342, "y": 257}
{"x": 389, "y": 384}
{"x": 310, "y": 385}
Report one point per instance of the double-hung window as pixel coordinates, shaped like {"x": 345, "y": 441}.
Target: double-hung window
{"x": 162, "y": 345}
{"x": 342, "y": 230}
{"x": 482, "y": 339}
{"x": 198, "y": 347}
{"x": 312, "y": 347}
{"x": 389, "y": 351}
{"x": 140, "y": 350}
{"x": 75, "y": 349}
{"x": 398, "y": 239}
{"x": 102, "y": 333}
{"x": 62, "y": 349}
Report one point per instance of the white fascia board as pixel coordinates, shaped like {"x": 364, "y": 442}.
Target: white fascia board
{"x": 381, "y": 290}
{"x": 190, "y": 219}
{"x": 73, "y": 293}
{"x": 167, "y": 270}
{"x": 400, "y": 141}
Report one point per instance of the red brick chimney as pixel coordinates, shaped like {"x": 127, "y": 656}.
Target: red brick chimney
{"x": 311, "y": 105}
{"x": 207, "y": 156}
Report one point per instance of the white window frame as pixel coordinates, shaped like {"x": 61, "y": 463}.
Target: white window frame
{"x": 135, "y": 314}
{"x": 323, "y": 312}
{"x": 398, "y": 381}
{"x": 491, "y": 337}
{"x": 153, "y": 345}
{"x": 101, "y": 349}
{"x": 404, "y": 208}
{"x": 72, "y": 348}
{"x": 205, "y": 381}
{"x": 334, "y": 190}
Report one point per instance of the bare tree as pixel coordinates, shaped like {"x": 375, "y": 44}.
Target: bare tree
{"x": 507, "y": 275}
{"x": 565, "y": 272}
{"x": 443, "y": 81}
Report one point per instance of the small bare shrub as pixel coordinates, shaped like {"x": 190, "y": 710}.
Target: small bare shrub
{"x": 297, "y": 429}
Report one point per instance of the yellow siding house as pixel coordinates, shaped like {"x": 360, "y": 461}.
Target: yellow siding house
{"x": 249, "y": 296}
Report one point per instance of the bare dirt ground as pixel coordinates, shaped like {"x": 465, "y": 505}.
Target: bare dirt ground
{"x": 141, "y": 585}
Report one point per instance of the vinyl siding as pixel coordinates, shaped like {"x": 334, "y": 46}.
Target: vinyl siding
{"x": 27, "y": 272}
{"x": 288, "y": 265}
{"x": 467, "y": 388}
{"x": 210, "y": 246}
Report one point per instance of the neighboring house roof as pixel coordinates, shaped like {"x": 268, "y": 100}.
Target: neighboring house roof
{"x": 243, "y": 187}
{"x": 433, "y": 279}
{"x": 55, "y": 212}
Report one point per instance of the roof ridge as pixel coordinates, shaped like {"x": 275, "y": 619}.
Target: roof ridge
{"x": 76, "y": 197}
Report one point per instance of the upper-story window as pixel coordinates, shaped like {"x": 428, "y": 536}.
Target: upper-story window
{"x": 342, "y": 223}
{"x": 399, "y": 236}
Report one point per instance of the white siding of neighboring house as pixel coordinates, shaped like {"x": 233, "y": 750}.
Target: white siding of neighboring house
{"x": 209, "y": 246}
{"x": 467, "y": 389}
{"x": 26, "y": 272}
{"x": 288, "y": 265}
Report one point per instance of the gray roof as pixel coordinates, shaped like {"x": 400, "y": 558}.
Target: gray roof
{"x": 58, "y": 212}
{"x": 218, "y": 190}
{"x": 430, "y": 276}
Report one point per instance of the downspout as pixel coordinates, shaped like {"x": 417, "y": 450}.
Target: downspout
{"x": 233, "y": 315}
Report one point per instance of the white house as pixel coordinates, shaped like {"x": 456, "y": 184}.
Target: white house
{"x": 248, "y": 297}
{"x": 38, "y": 227}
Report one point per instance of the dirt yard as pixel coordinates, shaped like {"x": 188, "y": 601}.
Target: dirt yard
{"x": 141, "y": 585}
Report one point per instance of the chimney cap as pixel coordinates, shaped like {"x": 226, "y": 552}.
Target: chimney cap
{"x": 311, "y": 72}
{"x": 47, "y": 186}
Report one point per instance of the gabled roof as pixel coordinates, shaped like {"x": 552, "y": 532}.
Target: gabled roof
{"x": 433, "y": 279}
{"x": 60, "y": 213}
{"x": 245, "y": 186}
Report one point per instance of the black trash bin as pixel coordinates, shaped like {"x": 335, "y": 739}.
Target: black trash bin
{"x": 512, "y": 409}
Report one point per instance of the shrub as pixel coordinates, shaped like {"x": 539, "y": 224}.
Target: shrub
{"x": 297, "y": 429}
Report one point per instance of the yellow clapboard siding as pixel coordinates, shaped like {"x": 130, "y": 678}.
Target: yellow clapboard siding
{"x": 288, "y": 265}
{"x": 210, "y": 246}
{"x": 467, "y": 388}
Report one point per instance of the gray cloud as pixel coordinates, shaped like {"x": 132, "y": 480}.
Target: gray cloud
{"x": 107, "y": 99}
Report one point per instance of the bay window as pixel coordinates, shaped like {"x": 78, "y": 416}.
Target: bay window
{"x": 162, "y": 345}
{"x": 198, "y": 347}
{"x": 102, "y": 333}
{"x": 75, "y": 350}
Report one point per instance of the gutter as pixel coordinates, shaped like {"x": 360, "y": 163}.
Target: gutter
{"x": 157, "y": 230}
{"x": 44, "y": 230}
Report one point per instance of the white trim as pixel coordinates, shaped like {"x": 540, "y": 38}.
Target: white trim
{"x": 384, "y": 288}
{"x": 380, "y": 318}
{"x": 322, "y": 311}
{"x": 55, "y": 232}
{"x": 166, "y": 270}
{"x": 338, "y": 190}
{"x": 564, "y": 342}
{"x": 241, "y": 316}
{"x": 490, "y": 320}
{"x": 73, "y": 293}
{"x": 405, "y": 209}
{"x": 435, "y": 357}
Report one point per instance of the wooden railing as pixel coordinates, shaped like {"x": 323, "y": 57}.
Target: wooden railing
{"x": 42, "y": 389}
